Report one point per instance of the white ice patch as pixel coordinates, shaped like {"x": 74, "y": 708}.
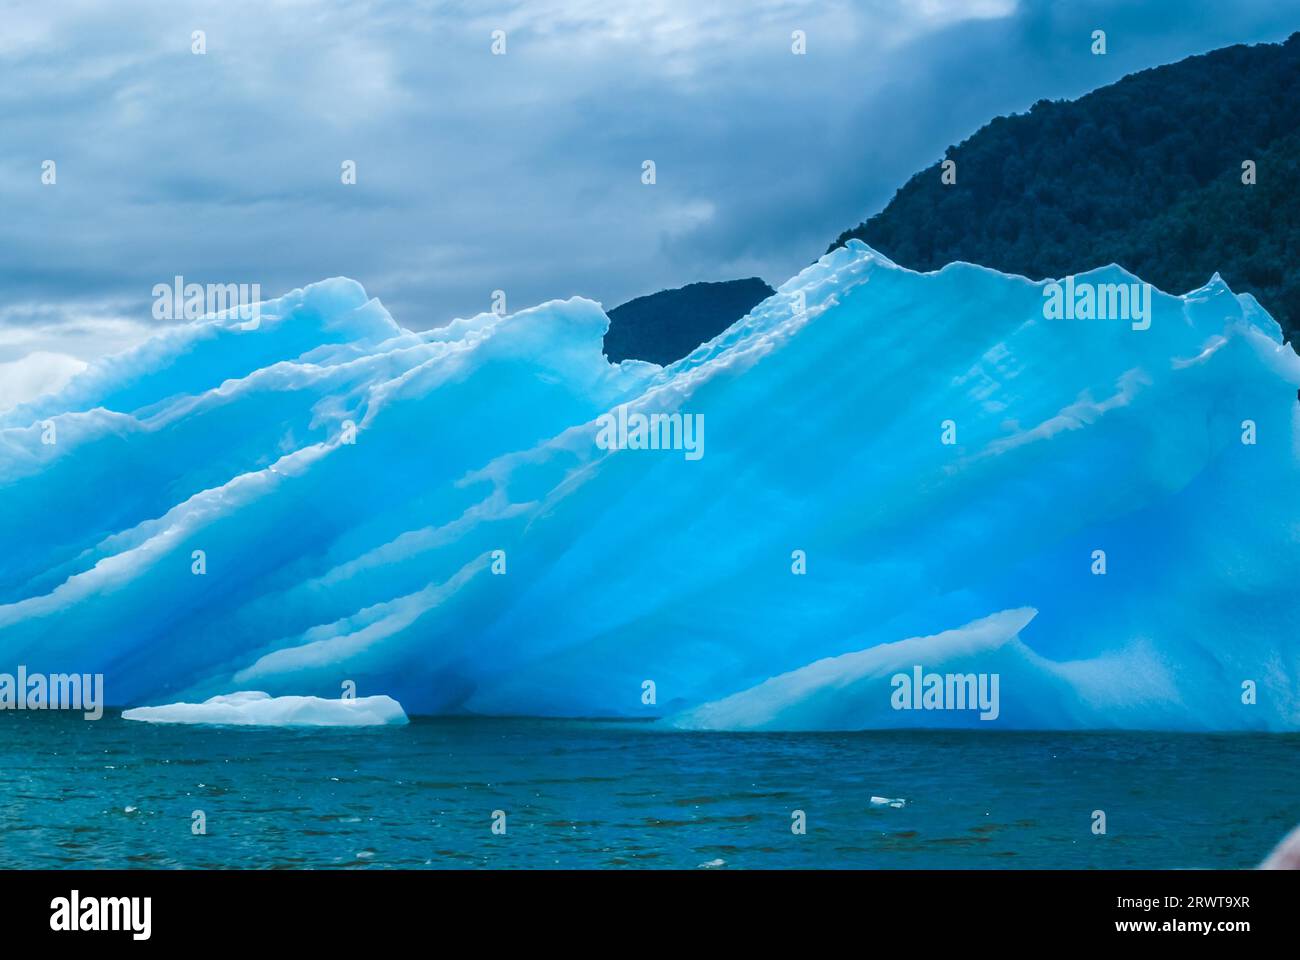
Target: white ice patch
{"x": 854, "y": 691}
{"x": 255, "y": 708}
{"x": 896, "y": 802}
{"x": 34, "y": 375}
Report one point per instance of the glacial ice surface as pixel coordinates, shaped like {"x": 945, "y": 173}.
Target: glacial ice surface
{"x": 320, "y": 499}
{"x": 842, "y": 693}
{"x": 258, "y": 708}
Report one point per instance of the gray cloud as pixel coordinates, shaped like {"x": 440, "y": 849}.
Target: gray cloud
{"x": 519, "y": 172}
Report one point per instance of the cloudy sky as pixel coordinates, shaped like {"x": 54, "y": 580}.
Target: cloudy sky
{"x": 478, "y": 172}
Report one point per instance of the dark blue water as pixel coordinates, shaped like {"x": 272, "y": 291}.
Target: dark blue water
{"x": 607, "y": 794}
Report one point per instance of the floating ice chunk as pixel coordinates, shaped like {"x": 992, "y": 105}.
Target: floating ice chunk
{"x": 255, "y": 708}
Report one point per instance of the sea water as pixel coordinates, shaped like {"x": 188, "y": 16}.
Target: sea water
{"x": 581, "y": 793}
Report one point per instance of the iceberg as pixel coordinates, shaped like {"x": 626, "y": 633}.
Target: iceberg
{"x": 331, "y": 498}
{"x": 257, "y": 708}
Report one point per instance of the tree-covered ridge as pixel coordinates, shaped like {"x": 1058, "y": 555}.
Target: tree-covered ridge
{"x": 1146, "y": 172}
{"x": 663, "y": 327}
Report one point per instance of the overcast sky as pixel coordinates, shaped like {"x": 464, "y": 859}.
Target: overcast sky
{"x": 476, "y": 172}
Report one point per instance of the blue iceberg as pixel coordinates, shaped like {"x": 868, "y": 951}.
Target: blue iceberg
{"x": 902, "y": 470}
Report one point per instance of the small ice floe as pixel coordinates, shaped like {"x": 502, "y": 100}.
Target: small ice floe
{"x": 129, "y": 809}
{"x": 887, "y": 802}
{"x": 255, "y": 708}
{"x": 712, "y": 864}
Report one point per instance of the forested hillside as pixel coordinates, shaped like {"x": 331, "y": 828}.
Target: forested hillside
{"x": 1146, "y": 172}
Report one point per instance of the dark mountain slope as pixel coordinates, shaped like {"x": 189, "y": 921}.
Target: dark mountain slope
{"x": 1146, "y": 172}
{"x": 664, "y": 327}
